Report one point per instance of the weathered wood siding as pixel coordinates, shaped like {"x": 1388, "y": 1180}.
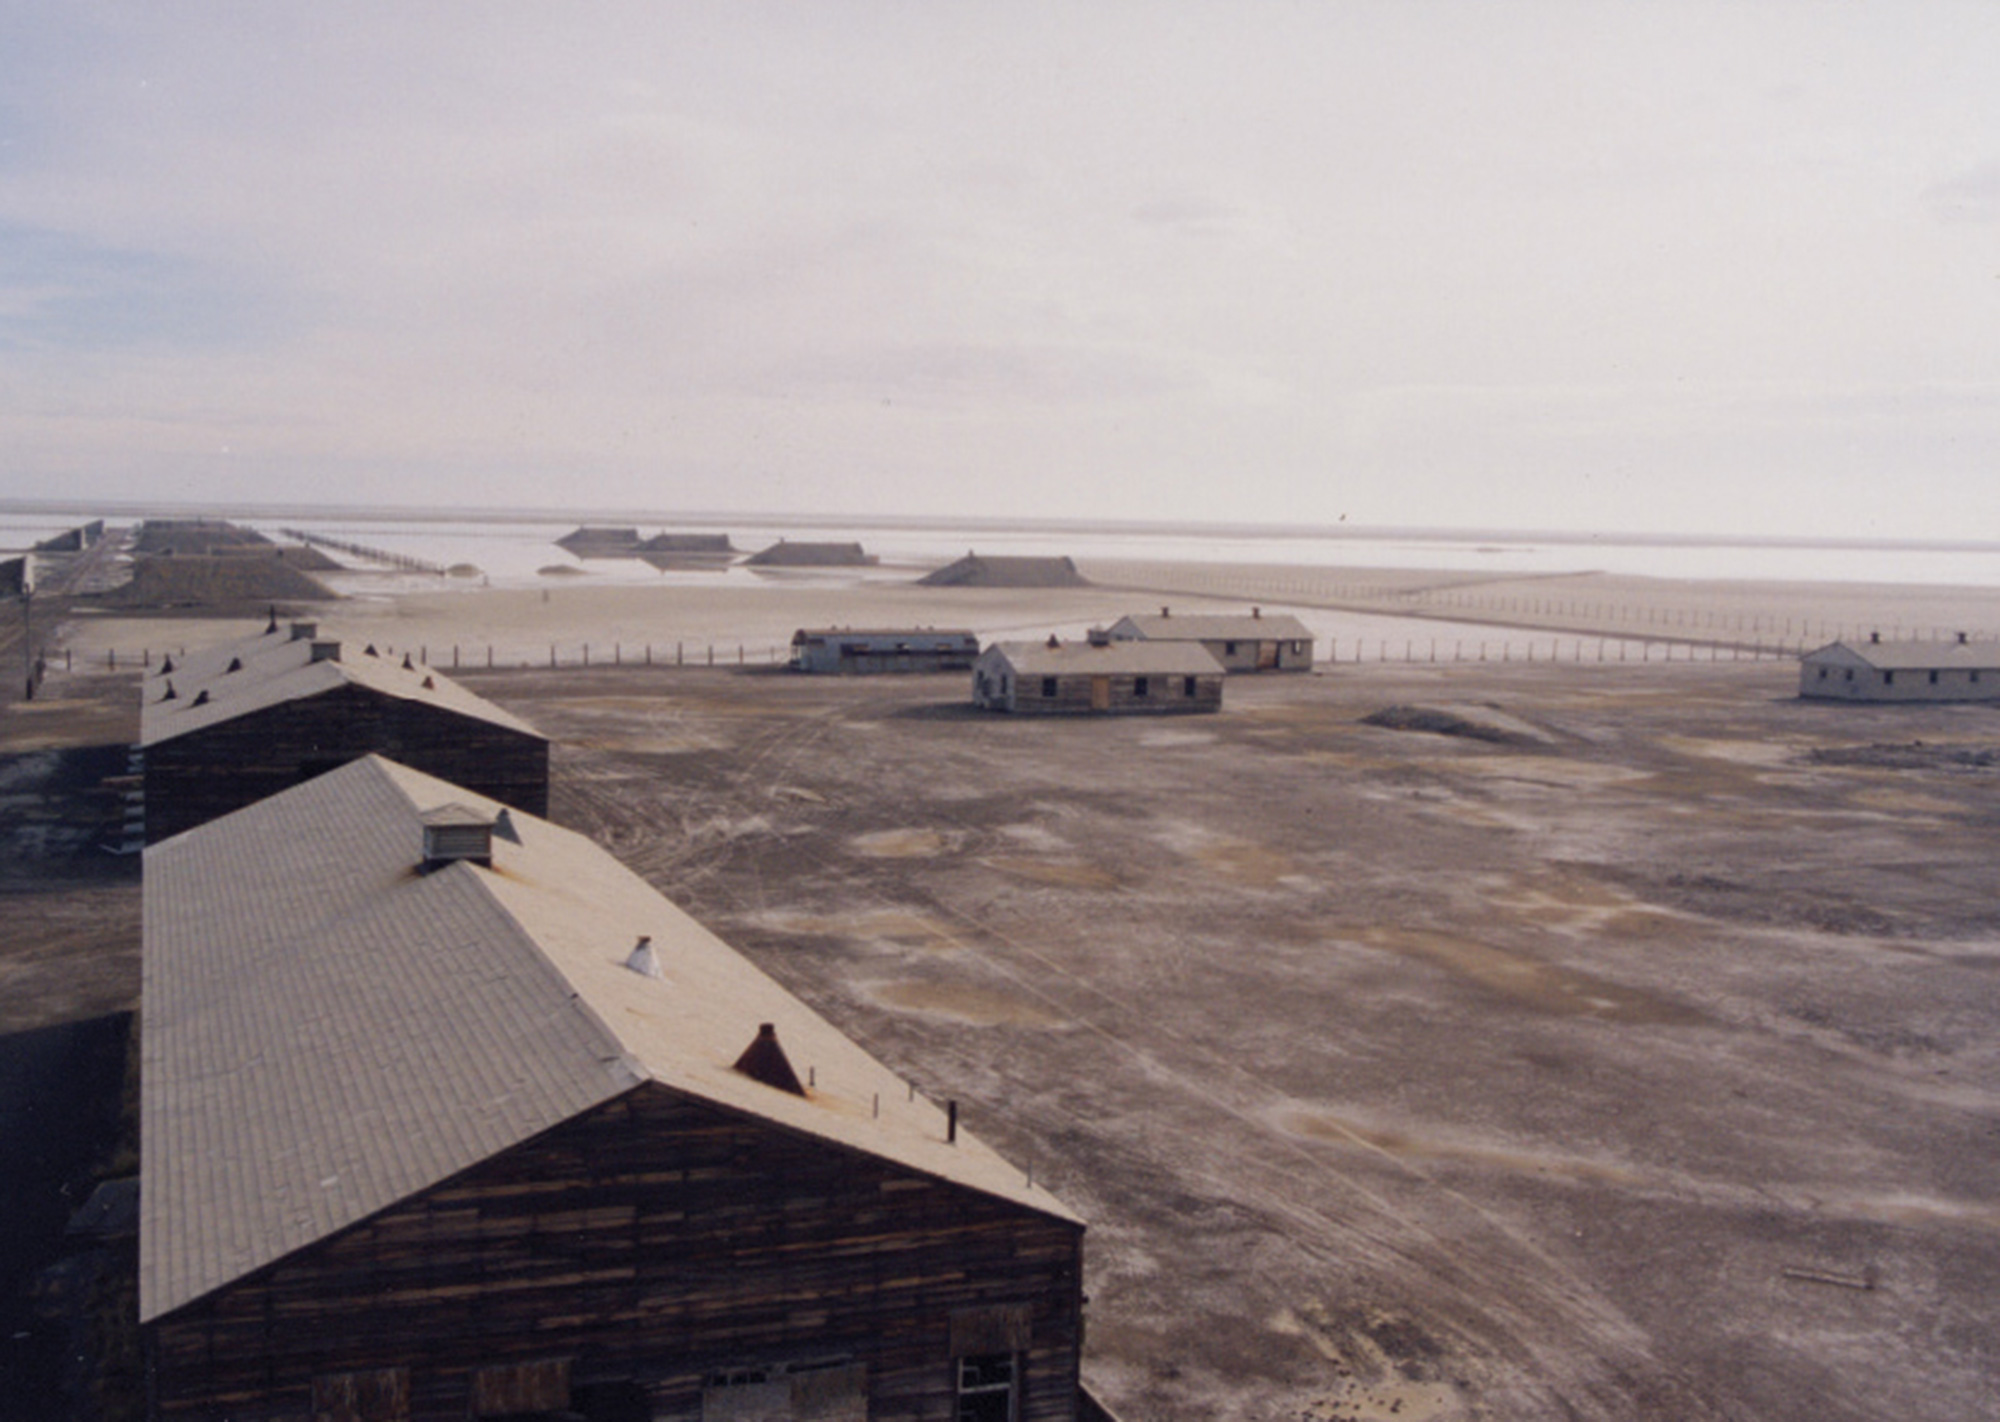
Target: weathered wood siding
{"x": 653, "y": 1243}
{"x": 1165, "y": 696}
{"x": 193, "y": 778}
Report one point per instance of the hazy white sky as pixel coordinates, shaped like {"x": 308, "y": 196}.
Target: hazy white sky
{"x": 1622, "y": 265}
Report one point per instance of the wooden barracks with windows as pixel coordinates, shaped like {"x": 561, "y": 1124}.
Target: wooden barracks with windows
{"x": 1251, "y": 643}
{"x": 228, "y": 725}
{"x": 1096, "y": 676}
{"x": 1902, "y": 670}
{"x": 446, "y": 1114}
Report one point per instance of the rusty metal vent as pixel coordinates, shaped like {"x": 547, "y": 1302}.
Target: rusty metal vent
{"x": 764, "y": 1060}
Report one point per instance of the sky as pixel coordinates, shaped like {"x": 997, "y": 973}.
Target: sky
{"x": 1621, "y": 266}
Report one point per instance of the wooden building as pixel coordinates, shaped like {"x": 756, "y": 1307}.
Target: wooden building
{"x": 1897, "y": 670}
{"x": 229, "y": 725}
{"x": 786, "y": 553}
{"x": 977, "y": 570}
{"x": 1250, "y": 643}
{"x": 1097, "y": 675}
{"x": 447, "y": 1114}
{"x": 894, "y": 649}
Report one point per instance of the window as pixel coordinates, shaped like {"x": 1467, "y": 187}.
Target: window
{"x": 1140, "y": 686}
{"x": 1187, "y": 686}
{"x": 1048, "y": 686}
{"x": 1933, "y": 678}
{"x": 382, "y": 1395}
{"x": 1974, "y": 676}
{"x": 1850, "y": 674}
{"x": 517, "y": 1389}
{"x": 1822, "y": 673}
{"x": 986, "y": 1388}
{"x": 1228, "y": 649}
{"x": 1888, "y": 678}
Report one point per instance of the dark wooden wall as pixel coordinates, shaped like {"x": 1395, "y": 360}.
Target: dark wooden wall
{"x": 193, "y": 778}
{"x": 653, "y": 1242}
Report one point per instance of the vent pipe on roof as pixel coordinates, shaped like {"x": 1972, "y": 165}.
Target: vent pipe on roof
{"x": 166, "y": 664}
{"x": 304, "y": 631}
{"x": 1961, "y": 639}
{"x": 200, "y": 698}
{"x": 369, "y": 651}
{"x": 643, "y": 960}
{"x": 235, "y": 665}
{"x": 1166, "y": 612}
{"x": 272, "y": 625}
{"x": 764, "y": 1060}
{"x": 1256, "y": 612}
{"x": 1054, "y": 641}
{"x": 326, "y": 651}
{"x": 429, "y": 685}
{"x": 408, "y": 665}
{"x": 169, "y": 694}
{"x": 951, "y": 1122}
{"x": 503, "y": 827}
{"x": 1874, "y": 636}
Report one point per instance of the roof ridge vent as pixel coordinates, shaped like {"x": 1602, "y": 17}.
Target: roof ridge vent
{"x": 1099, "y": 637}
{"x": 304, "y": 631}
{"x": 764, "y": 1060}
{"x": 325, "y": 651}
{"x": 235, "y": 665}
{"x": 643, "y": 960}
{"x": 454, "y": 832}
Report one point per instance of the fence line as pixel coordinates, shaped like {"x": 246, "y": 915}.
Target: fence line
{"x": 1339, "y": 651}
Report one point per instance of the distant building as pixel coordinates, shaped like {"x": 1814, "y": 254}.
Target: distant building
{"x": 598, "y": 541}
{"x": 446, "y": 1114}
{"x": 1878, "y": 670}
{"x": 1250, "y": 643}
{"x": 229, "y": 725}
{"x": 902, "y": 649}
{"x": 976, "y": 570}
{"x": 1097, "y": 675}
{"x": 786, "y": 554}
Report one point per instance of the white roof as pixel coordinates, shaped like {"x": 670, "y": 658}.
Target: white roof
{"x": 327, "y": 1032}
{"x": 276, "y": 669}
{"x": 1215, "y": 627}
{"x": 1910, "y": 655}
{"x": 1107, "y": 659}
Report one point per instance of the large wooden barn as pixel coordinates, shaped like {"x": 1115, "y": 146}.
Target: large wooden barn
{"x": 1242, "y": 643}
{"x": 228, "y": 725}
{"x": 446, "y": 1114}
{"x": 1902, "y": 670}
{"x": 1096, "y": 675}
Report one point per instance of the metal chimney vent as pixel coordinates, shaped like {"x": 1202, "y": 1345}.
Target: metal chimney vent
{"x": 643, "y": 960}
{"x": 764, "y": 1060}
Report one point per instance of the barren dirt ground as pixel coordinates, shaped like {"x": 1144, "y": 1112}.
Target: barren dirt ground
{"x": 1637, "y": 1060}
{"x": 1639, "y": 1065}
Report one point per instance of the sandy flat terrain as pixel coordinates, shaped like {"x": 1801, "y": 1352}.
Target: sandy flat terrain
{"x": 1633, "y": 1057}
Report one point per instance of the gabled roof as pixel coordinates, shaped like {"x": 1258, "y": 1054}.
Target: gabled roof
{"x": 1910, "y": 655}
{"x": 931, "y": 635}
{"x": 276, "y": 668}
{"x": 1006, "y": 571}
{"x": 1214, "y": 627}
{"x": 328, "y": 1031}
{"x": 1106, "y": 659}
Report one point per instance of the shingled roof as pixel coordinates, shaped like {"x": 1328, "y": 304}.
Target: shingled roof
{"x": 278, "y": 667}
{"x": 1906, "y": 654}
{"x": 332, "y": 1025}
{"x": 1107, "y": 658}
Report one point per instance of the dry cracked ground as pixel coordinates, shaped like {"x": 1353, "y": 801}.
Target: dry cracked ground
{"x": 1594, "y": 1042}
